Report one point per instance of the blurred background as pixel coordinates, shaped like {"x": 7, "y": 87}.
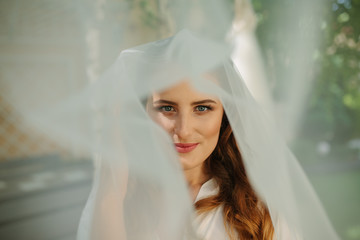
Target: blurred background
{"x": 44, "y": 186}
{"x": 327, "y": 139}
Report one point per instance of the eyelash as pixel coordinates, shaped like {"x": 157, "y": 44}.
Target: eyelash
{"x": 162, "y": 108}
{"x": 208, "y": 108}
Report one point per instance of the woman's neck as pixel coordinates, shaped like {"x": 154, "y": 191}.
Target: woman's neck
{"x": 195, "y": 178}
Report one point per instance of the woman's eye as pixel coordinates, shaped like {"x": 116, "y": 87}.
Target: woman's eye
{"x": 202, "y": 108}
{"x": 166, "y": 108}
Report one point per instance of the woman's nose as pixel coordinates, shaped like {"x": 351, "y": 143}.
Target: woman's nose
{"x": 182, "y": 126}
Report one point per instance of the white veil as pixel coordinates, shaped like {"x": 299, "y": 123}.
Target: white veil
{"x": 139, "y": 191}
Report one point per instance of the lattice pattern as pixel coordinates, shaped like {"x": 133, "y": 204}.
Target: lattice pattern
{"x": 45, "y": 40}
{"x": 32, "y": 52}
{"x": 18, "y": 142}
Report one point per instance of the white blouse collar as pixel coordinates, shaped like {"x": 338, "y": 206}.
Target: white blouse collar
{"x": 209, "y": 188}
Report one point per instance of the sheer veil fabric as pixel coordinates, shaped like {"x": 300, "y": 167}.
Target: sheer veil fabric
{"x": 139, "y": 191}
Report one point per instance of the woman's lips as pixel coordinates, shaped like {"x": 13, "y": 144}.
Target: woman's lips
{"x": 185, "y": 147}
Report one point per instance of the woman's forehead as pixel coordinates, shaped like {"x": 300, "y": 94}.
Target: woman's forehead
{"x": 183, "y": 91}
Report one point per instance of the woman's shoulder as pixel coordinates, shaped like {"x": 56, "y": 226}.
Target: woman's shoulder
{"x": 210, "y": 225}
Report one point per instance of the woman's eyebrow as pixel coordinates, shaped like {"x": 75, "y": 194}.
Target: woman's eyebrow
{"x": 204, "y": 101}
{"x": 162, "y": 101}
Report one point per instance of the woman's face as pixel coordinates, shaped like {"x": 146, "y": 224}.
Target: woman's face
{"x": 192, "y": 119}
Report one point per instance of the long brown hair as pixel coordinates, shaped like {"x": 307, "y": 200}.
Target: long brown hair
{"x": 245, "y": 215}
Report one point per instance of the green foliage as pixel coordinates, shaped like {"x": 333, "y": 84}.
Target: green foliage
{"x": 333, "y": 112}
{"x": 150, "y": 16}
{"x": 332, "y": 117}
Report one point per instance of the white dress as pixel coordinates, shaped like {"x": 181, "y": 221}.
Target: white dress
{"x": 211, "y": 224}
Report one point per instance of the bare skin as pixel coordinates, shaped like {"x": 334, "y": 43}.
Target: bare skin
{"x": 193, "y": 118}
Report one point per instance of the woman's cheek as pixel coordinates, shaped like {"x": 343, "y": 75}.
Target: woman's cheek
{"x": 211, "y": 127}
{"x": 164, "y": 122}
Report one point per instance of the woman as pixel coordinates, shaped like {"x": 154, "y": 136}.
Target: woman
{"x": 211, "y": 163}
{"x": 189, "y": 146}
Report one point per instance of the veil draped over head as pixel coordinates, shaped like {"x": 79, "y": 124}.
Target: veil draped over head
{"x": 139, "y": 191}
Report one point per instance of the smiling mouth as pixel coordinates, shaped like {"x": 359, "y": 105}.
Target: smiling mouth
{"x": 185, "y": 147}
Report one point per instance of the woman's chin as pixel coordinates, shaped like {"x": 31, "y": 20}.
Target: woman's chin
{"x": 187, "y": 164}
